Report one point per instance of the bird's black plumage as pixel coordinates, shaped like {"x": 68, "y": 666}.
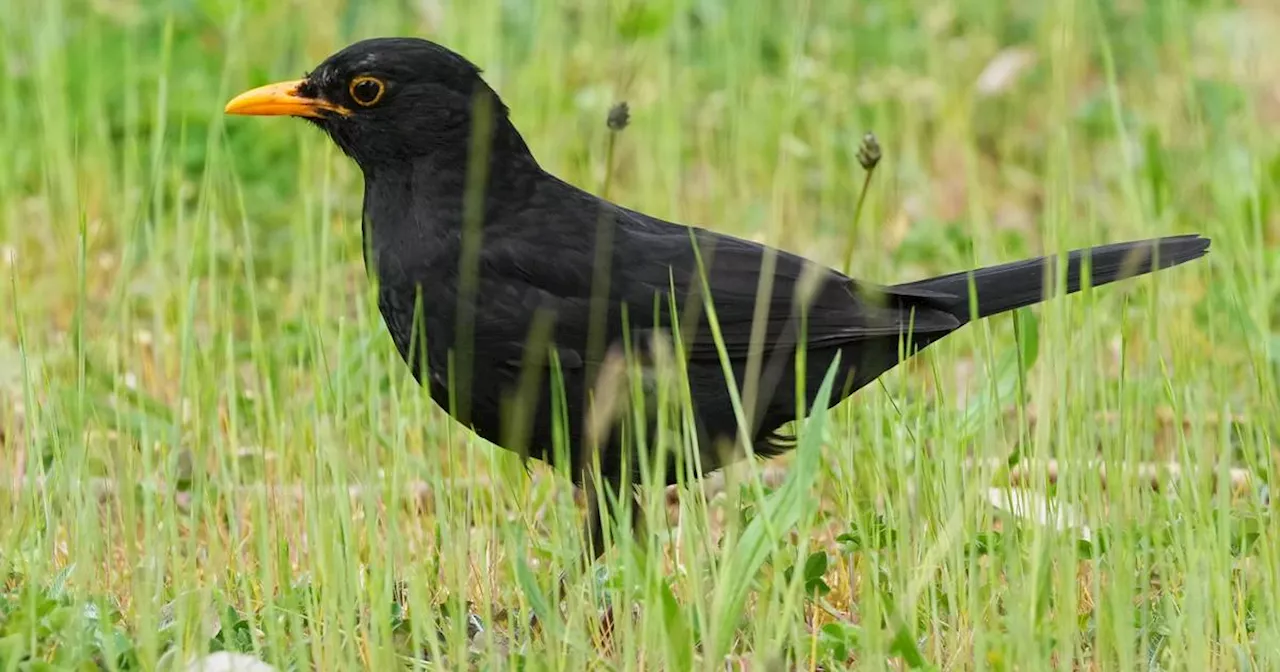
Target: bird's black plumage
{"x": 441, "y": 158}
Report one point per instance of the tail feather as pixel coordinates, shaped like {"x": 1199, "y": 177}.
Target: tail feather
{"x": 1023, "y": 283}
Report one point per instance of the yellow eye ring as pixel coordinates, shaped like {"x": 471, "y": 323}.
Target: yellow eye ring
{"x": 366, "y": 90}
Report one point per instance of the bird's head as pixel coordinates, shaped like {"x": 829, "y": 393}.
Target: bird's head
{"x": 386, "y": 101}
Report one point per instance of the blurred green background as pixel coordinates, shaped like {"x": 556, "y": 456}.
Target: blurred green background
{"x": 206, "y": 438}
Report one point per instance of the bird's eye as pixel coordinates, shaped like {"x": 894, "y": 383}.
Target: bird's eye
{"x": 366, "y": 90}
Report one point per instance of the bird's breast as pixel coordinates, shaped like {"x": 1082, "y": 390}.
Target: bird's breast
{"x": 417, "y": 320}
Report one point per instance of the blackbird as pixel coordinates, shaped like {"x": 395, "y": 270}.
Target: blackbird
{"x": 507, "y": 290}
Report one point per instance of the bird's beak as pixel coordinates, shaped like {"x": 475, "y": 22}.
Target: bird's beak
{"x": 282, "y": 99}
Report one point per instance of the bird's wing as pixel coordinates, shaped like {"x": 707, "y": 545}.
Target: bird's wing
{"x": 654, "y": 262}
{"x": 801, "y": 299}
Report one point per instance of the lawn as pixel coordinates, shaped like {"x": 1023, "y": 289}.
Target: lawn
{"x": 208, "y": 442}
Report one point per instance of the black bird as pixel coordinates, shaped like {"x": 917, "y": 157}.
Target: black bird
{"x": 466, "y": 231}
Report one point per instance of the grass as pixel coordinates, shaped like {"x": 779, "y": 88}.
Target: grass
{"x": 208, "y": 443}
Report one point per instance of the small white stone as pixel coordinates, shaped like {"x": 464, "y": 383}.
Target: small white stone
{"x": 1004, "y": 70}
{"x": 225, "y": 661}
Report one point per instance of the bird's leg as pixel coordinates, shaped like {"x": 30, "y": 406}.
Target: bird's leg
{"x": 593, "y": 539}
{"x": 600, "y": 512}
{"x": 605, "y": 465}
{"x": 593, "y": 524}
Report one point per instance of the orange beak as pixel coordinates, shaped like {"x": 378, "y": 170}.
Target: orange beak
{"x": 282, "y": 99}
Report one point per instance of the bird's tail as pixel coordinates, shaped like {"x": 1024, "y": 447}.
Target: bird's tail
{"x": 1022, "y": 283}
